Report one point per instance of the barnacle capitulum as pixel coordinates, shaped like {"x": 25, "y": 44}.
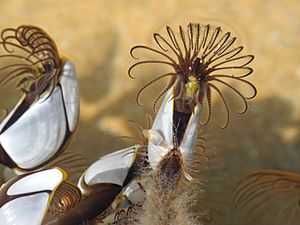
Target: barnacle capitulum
{"x": 172, "y": 130}
{"x": 256, "y": 192}
{"x": 106, "y": 178}
{"x": 202, "y": 60}
{"x": 39, "y": 127}
{"x": 37, "y": 198}
{"x": 172, "y": 141}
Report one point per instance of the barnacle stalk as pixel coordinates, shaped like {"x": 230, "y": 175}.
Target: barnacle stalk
{"x": 202, "y": 59}
{"x": 31, "y": 57}
{"x": 165, "y": 208}
{"x": 180, "y": 201}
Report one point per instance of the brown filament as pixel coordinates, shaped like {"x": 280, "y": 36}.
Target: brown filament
{"x": 149, "y": 83}
{"x": 225, "y": 105}
{"x": 257, "y": 192}
{"x": 208, "y": 99}
{"x": 237, "y": 92}
{"x": 41, "y": 64}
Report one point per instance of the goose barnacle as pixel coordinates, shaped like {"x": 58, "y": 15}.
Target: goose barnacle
{"x": 39, "y": 127}
{"x": 35, "y": 198}
{"x": 105, "y": 179}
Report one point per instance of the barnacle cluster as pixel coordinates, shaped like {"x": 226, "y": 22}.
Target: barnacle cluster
{"x": 167, "y": 177}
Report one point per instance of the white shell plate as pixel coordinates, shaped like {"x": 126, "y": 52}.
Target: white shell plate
{"x": 39, "y": 181}
{"x": 28, "y": 210}
{"x": 163, "y": 124}
{"x": 188, "y": 144}
{"x": 70, "y": 92}
{"x": 112, "y": 168}
{"x": 38, "y": 133}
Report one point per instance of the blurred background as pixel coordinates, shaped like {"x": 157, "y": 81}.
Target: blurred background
{"x": 97, "y": 37}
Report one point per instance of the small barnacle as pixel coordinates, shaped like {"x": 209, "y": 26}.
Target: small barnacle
{"x": 32, "y": 58}
{"x": 201, "y": 58}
